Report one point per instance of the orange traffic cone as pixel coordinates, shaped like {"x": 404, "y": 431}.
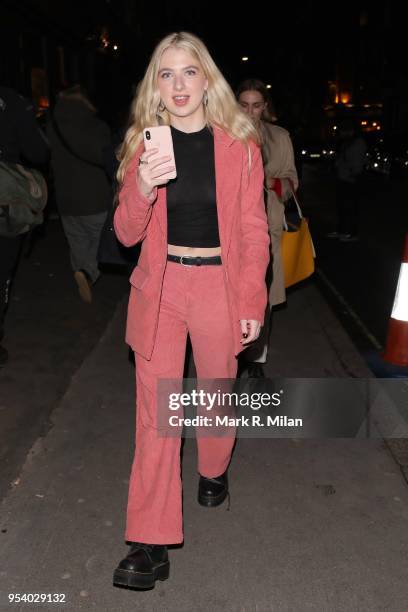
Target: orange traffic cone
{"x": 396, "y": 350}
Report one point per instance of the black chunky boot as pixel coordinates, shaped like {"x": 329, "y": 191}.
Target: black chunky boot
{"x": 144, "y": 564}
{"x": 213, "y": 491}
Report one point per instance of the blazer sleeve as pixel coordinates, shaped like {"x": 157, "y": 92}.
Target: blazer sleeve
{"x": 254, "y": 241}
{"x": 134, "y": 211}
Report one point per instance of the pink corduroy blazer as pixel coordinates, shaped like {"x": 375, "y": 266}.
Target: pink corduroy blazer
{"x": 244, "y": 239}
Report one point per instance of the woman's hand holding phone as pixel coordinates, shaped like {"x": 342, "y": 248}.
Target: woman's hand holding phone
{"x": 155, "y": 171}
{"x": 152, "y": 173}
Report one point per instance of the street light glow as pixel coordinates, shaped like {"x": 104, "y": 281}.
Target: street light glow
{"x": 245, "y": 58}
{"x": 269, "y": 87}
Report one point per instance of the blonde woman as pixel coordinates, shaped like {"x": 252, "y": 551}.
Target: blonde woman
{"x": 281, "y": 180}
{"x": 201, "y": 272}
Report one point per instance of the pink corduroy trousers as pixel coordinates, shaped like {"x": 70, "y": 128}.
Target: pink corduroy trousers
{"x": 194, "y": 302}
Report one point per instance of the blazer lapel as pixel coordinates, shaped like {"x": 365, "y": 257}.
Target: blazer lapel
{"x": 228, "y": 182}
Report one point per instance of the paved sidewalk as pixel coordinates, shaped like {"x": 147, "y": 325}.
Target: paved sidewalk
{"x": 49, "y": 332}
{"x": 313, "y": 525}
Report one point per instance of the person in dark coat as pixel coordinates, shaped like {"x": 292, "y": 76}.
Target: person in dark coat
{"x": 21, "y": 142}
{"x": 350, "y": 162}
{"x": 83, "y": 191}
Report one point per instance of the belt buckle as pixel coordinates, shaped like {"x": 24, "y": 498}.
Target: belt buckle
{"x": 185, "y": 257}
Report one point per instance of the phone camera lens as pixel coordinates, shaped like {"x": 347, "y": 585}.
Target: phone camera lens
{"x": 148, "y": 135}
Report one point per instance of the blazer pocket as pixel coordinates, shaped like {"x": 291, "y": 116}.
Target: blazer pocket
{"x": 139, "y": 278}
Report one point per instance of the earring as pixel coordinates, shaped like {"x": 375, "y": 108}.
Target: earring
{"x": 161, "y": 107}
{"x": 205, "y": 98}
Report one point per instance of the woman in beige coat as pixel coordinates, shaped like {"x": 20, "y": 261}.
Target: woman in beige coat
{"x": 280, "y": 181}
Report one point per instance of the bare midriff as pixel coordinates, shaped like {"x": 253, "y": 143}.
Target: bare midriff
{"x": 193, "y": 251}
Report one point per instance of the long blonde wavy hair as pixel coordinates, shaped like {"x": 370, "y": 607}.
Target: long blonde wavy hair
{"x": 221, "y": 110}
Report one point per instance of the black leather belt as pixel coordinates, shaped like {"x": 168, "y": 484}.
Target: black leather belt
{"x": 186, "y": 260}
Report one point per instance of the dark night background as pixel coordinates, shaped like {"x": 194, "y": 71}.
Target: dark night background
{"x": 313, "y": 55}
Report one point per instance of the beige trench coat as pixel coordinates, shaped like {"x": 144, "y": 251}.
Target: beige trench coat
{"x": 279, "y": 162}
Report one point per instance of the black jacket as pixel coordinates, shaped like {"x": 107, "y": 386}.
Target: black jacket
{"x": 77, "y": 148}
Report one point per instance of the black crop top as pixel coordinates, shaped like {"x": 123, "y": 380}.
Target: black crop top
{"x": 191, "y": 197}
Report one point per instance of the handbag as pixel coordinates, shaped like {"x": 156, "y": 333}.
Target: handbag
{"x": 23, "y": 197}
{"x": 297, "y": 249}
{"x": 110, "y": 250}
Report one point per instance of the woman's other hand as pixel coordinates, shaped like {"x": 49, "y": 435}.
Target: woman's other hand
{"x": 250, "y": 330}
{"x": 270, "y": 183}
{"x": 152, "y": 173}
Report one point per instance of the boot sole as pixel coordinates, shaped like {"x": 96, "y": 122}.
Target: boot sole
{"x": 212, "y": 502}
{"x": 140, "y": 580}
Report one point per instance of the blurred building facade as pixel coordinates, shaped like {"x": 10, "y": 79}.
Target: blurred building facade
{"x": 369, "y": 80}
{"x": 321, "y": 61}
{"x": 47, "y": 46}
